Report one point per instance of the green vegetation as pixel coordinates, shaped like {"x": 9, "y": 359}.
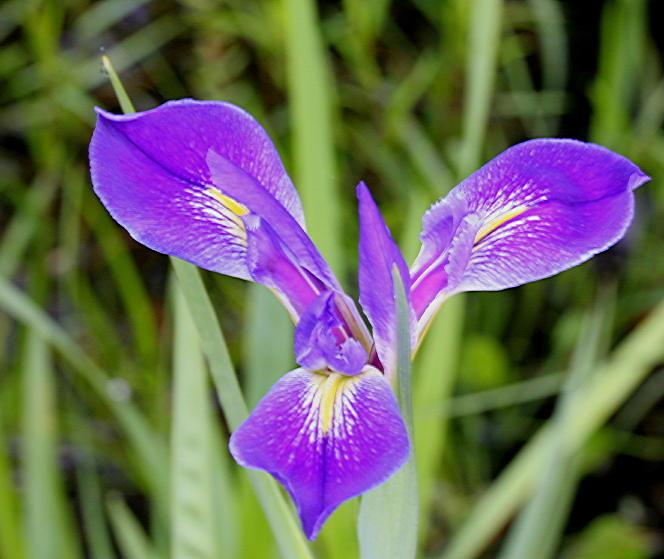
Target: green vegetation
{"x": 121, "y": 374}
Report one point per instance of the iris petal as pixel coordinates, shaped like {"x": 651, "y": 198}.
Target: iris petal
{"x": 537, "y": 209}
{"x": 379, "y": 254}
{"x": 326, "y": 438}
{"x": 191, "y": 179}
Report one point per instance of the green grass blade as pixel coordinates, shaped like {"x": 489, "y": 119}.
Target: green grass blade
{"x": 504, "y": 396}
{"x": 436, "y": 366}
{"x": 309, "y": 92}
{"x": 130, "y": 535}
{"x": 268, "y": 342}
{"x": 46, "y": 527}
{"x": 226, "y": 501}
{"x": 17, "y": 235}
{"x": 622, "y": 47}
{"x": 11, "y": 543}
{"x": 144, "y": 441}
{"x": 125, "y": 103}
{"x": 485, "y": 27}
{"x": 92, "y": 508}
{"x": 613, "y": 382}
{"x": 388, "y": 517}
{"x": 535, "y": 530}
{"x": 192, "y": 517}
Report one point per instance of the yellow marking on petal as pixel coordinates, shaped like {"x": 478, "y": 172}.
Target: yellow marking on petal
{"x": 332, "y": 390}
{"x": 230, "y": 203}
{"x": 497, "y": 222}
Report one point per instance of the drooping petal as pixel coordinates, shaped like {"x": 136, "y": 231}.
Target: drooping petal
{"x": 187, "y": 178}
{"x": 535, "y": 210}
{"x": 379, "y": 254}
{"x": 323, "y": 340}
{"x": 326, "y": 438}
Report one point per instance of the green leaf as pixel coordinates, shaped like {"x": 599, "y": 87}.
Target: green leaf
{"x": 612, "y": 383}
{"x": 11, "y": 543}
{"x": 610, "y": 537}
{"x": 46, "y": 524}
{"x": 268, "y": 342}
{"x": 92, "y": 506}
{"x": 537, "y": 529}
{"x": 130, "y": 535}
{"x": 309, "y": 87}
{"x": 192, "y": 514}
{"x": 147, "y": 446}
{"x": 484, "y": 40}
{"x": 387, "y": 522}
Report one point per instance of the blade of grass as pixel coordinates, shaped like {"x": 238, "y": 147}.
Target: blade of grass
{"x": 11, "y": 543}
{"x": 192, "y": 518}
{"x": 132, "y": 290}
{"x": 18, "y": 233}
{"x": 537, "y": 529}
{"x": 310, "y": 98}
{"x": 92, "y": 506}
{"x": 551, "y": 35}
{"x": 268, "y": 342}
{"x": 484, "y": 42}
{"x": 623, "y": 35}
{"x": 280, "y": 517}
{"x": 130, "y": 535}
{"x": 46, "y": 528}
{"x": 387, "y": 523}
{"x": 147, "y": 446}
{"x": 613, "y": 382}
{"x": 226, "y": 502}
{"x": 436, "y": 367}
{"x": 504, "y": 396}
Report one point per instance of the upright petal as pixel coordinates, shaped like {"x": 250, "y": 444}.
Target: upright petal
{"x": 379, "y": 254}
{"x": 535, "y": 210}
{"x": 326, "y": 438}
{"x": 192, "y": 178}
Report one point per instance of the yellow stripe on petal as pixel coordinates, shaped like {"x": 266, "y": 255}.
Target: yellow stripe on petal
{"x": 227, "y": 201}
{"x": 332, "y": 389}
{"x": 496, "y": 222}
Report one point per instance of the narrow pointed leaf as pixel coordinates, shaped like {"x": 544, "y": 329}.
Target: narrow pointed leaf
{"x": 387, "y": 522}
{"x": 193, "y": 524}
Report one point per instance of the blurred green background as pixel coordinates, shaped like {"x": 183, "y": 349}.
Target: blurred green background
{"x": 538, "y": 416}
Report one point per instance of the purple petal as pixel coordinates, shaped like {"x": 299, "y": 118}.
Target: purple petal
{"x": 323, "y": 340}
{"x": 187, "y": 178}
{"x": 272, "y": 264}
{"x": 535, "y": 210}
{"x": 326, "y": 438}
{"x": 379, "y": 254}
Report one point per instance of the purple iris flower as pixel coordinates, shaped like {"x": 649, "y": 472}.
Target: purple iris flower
{"x": 202, "y": 181}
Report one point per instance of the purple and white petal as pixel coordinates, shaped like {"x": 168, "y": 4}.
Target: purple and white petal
{"x": 188, "y": 177}
{"x": 537, "y": 209}
{"x": 326, "y": 438}
{"x": 379, "y": 254}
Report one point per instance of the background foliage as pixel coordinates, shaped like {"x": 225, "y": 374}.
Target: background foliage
{"x": 538, "y": 418}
